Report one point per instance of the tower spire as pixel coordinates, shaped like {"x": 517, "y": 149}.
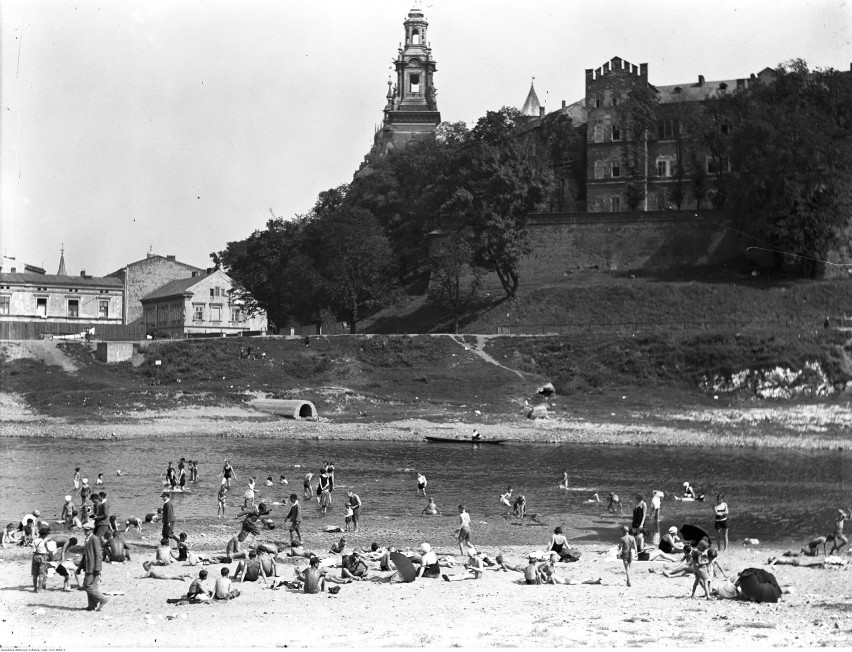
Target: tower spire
{"x": 62, "y": 271}
{"x": 532, "y": 107}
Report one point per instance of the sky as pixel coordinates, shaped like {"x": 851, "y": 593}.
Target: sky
{"x": 178, "y": 126}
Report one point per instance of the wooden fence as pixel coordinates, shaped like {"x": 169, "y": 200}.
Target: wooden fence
{"x": 23, "y": 330}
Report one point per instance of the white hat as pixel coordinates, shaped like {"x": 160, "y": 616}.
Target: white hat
{"x": 471, "y": 550}
{"x": 85, "y": 480}
{"x": 685, "y": 484}
{"x": 425, "y": 547}
{"x": 672, "y": 530}
{"x": 67, "y": 499}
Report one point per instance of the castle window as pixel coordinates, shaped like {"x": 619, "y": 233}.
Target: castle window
{"x": 598, "y": 133}
{"x": 615, "y": 170}
{"x": 415, "y": 37}
{"x": 599, "y": 169}
{"x": 415, "y": 83}
{"x": 664, "y": 167}
{"x": 616, "y": 132}
{"x": 614, "y": 204}
{"x": 596, "y": 102}
{"x": 667, "y": 129}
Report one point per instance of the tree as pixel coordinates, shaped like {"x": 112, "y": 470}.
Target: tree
{"x": 455, "y": 283}
{"x": 354, "y": 259}
{"x": 791, "y": 161}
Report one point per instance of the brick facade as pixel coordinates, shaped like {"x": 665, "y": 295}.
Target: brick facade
{"x": 144, "y": 276}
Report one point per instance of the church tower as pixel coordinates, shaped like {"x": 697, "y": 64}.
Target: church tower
{"x": 411, "y": 111}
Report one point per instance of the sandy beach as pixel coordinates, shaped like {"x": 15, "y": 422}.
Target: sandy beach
{"x": 497, "y": 610}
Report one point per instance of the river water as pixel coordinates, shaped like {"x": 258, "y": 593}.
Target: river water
{"x": 773, "y": 495}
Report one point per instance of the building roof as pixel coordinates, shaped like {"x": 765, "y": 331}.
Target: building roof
{"x": 42, "y": 280}
{"x": 697, "y": 92}
{"x": 173, "y": 288}
{"x": 532, "y": 107}
{"x": 62, "y": 271}
{"x": 170, "y": 259}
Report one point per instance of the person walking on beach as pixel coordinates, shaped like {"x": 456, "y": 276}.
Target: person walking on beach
{"x": 626, "y": 550}
{"x": 355, "y": 504}
{"x": 85, "y": 492}
{"x": 324, "y": 491}
{"x": 721, "y": 522}
{"x": 421, "y": 484}
{"x": 840, "y": 539}
{"x": 101, "y": 515}
{"x": 249, "y": 494}
{"x": 91, "y": 563}
{"x": 228, "y": 474}
{"x": 463, "y": 530}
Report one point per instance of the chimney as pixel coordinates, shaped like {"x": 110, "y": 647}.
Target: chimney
{"x": 701, "y": 80}
{"x": 82, "y": 273}
{"x": 150, "y": 254}
{"x": 170, "y": 258}
{"x": 643, "y": 70}
{"x": 210, "y": 270}
{"x": 563, "y": 104}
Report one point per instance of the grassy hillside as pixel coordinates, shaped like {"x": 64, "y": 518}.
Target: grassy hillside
{"x": 377, "y": 378}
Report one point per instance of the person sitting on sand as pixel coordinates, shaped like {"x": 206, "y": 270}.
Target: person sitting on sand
{"x": 155, "y": 573}
{"x": 353, "y": 567}
{"x": 682, "y": 567}
{"x": 531, "y": 574}
{"x": 374, "y": 552}
{"x": 840, "y": 539}
{"x": 164, "y": 554}
{"x": 812, "y": 546}
{"x": 10, "y": 535}
{"x": 558, "y": 542}
{"x": 428, "y": 562}
{"x": 196, "y": 591}
{"x": 251, "y": 569}
{"x": 154, "y": 517}
{"x": 234, "y": 549}
{"x": 431, "y": 509}
{"x": 312, "y": 577}
{"x": 337, "y": 548}
{"x": 116, "y": 549}
{"x": 385, "y": 562}
{"x": 670, "y": 542}
{"x": 474, "y": 567}
{"x": 223, "y": 590}
{"x": 689, "y": 491}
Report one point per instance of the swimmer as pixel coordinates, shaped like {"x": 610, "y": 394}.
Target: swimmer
{"x": 282, "y": 480}
{"x": 220, "y": 501}
{"x": 564, "y": 482}
{"x": 520, "y": 507}
{"x": 269, "y": 481}
{"x": 505, "y": 498}
{"x": 614, "y": 504}
{"x": 68, "y": 512}
{"x": 99, "y": 479}
{"x": 689, "y": 492}
{"x": 431, "y": 509}
{"x": 119, "y": 472}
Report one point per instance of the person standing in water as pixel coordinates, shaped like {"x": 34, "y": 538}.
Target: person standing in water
{"x": 76, "y": 478}
{"x": 505, "y": 500}
{"x": 840, "y": 539}
{"x": 228, "y": 474}
{"x": 564, "y": 483}
{"x": 721, "y": 522}
{"x": 308, "y": 489}
{"x": 421, "y": 484}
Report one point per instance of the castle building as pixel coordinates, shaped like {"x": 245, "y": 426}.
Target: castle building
{"x": 411, "y": 111}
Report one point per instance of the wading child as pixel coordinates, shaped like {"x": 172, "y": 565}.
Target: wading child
{"x": 220, "y": 507}
{"x": 626, "y": 550}
{"x": 68, "y": 513}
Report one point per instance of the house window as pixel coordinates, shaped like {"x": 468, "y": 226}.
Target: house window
{"x": 198, "y": 312}
{"x": 212, "y": 293}
{"x": 667, "y": 129}
{"x": 615, "y": 170}
{"x": 616, "y": 132}
{"x": 73, "y": 308}
{"x": 598, "y": 133}
{"x": 4, "y": 305}
{"x": 216, "y": 313}
{"x": 599, "y": 169}
{"x": 596, "y": 103}
{"x": 41, "y": 307}
{"x": 614, "y": 204}
{"x": 415, "y": 83}
{"x": 103, "y": 309}
{"x": 664, "y": 167}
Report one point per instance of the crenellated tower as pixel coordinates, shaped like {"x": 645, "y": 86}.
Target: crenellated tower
{"x": 411, "y": 111}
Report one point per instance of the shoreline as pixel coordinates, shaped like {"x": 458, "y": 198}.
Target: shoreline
{"x": 763, "y": 428}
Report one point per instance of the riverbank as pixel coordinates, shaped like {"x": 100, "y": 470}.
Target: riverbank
{"x": 496, "y": 611}
{"x": 801, "y": 426}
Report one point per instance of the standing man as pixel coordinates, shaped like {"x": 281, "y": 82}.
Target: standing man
{"x": 101, "y": 514}
{"x": 294, "y": 517}
{"x": 168, "y": 517}
{"x": 421, "y": 484}
{"x": 355, "y": 504}
{"x": 463, "y": 530}
{"x": 91, "y": 563}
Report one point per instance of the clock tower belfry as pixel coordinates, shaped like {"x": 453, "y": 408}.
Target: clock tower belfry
{"x": 411, "y": 111}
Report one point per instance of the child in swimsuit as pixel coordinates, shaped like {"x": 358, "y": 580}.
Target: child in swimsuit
{"x": 626, "y": 550}
{"x": 840, "y": 539}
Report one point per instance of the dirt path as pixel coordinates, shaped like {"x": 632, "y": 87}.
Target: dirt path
{"x": 44, "y": 350}
{"x": 479, "y": 349}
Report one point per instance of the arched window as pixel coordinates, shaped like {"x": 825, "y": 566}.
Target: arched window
{"x": 414, "y": 82}
{"x": 616, "y": 132}
{"x": 598, "y": 133}
{"x": 599, "y": 169}
{"x": 664, "y": 167}
{"x": 415, "y": 37}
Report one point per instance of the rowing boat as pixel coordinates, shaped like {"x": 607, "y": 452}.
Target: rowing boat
{"x": 452, "y": 440}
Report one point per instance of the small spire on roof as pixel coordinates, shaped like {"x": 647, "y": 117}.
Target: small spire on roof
{"x": 62, "y": 271}
{"x": 532, "y": 107}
